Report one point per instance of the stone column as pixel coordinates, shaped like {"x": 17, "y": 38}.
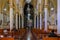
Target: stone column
{"x": 19, "y": 12}
{"x": 46, "y": 13}
{"x": 37, "y": 14}
{"x": 35, "y": 19}
{"x": 11, "y": 15}
{"x": 22, "y": 22}
{"x": 40, "y": 21}
{"x": 37, "y": 22}
{"x": 19, "y": 20}
{"x": 58, "y": 16}
{"x": 40, "y": 13}
{"x": 2, "y": 19}
{"x": 22, "y": 17}
{"x": 16, "y": 21}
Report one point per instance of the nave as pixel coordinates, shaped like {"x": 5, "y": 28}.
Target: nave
{"x": 29, "y": 19}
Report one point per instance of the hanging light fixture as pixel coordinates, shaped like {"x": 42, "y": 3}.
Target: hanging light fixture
{"x": 4, "y": 9}
{"x": 28, "y": 1}
{"x": 52, "y": 9}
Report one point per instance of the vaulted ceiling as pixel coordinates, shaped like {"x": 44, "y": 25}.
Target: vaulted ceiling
{"x": 5, "y": 4}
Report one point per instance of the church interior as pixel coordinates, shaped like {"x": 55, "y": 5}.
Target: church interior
{"x": 29, "y": 19}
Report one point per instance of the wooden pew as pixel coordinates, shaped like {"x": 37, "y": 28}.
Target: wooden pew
{"x": 58, "y": 38}
{"x": 6, "y": 38}
{"x": 22, "y": 32}
{"x": 50, "y": 38}
{"x": 1, "y": 31}
{"x": 39, "y": 33}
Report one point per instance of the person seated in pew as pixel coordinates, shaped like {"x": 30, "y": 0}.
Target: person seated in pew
{"x": 14, "y": 29}
{"x": 5, "y": 32}
{"x": 52, "y": 34}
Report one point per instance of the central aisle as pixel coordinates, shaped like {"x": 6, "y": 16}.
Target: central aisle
{"x": 29, "y": 36}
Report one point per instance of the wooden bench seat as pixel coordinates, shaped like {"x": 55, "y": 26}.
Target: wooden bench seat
{"x": 39, "y": 33}
{"x": 58, "y": 38}
{"x": 50, "y": 38}
{"x": 6, "y": 38}
{"x": 1, "y": 31}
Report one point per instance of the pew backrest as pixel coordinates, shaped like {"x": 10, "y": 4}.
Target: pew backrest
{"x": 50, "y": 38}
{"x": 6, "y": 38}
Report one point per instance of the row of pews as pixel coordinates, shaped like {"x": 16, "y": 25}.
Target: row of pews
{"x": 46, "y": 38}
{"x": 6, "y": 38}
{"x": 19, "y": 34}
{"x": 51, "y": 38}
{"x": 41, "y": 34}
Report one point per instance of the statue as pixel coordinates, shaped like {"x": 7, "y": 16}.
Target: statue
{"x": 28, "y": 13}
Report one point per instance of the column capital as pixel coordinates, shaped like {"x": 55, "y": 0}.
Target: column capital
{"x": 10, "y": 3}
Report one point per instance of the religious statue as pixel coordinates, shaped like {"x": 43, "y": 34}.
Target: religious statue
{"x": 28, "y": 13}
